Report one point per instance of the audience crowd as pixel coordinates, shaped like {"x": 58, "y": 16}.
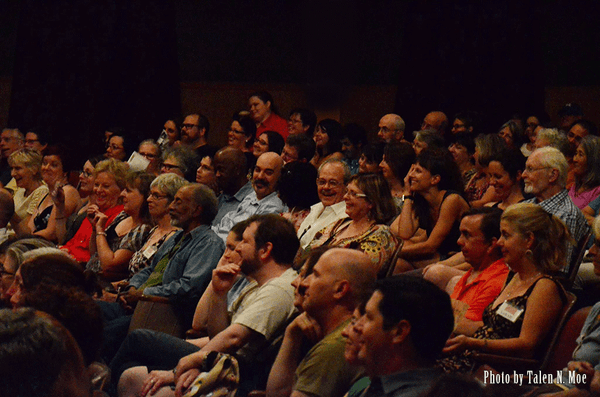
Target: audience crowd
{"x": 304, "y": 259}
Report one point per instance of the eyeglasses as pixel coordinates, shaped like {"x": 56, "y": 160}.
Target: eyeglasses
{"x": 353, "y": 194}
{"x": 31, "y": 140}
{"x": 115, "y": 147}
{"x": 157, "y": 196}
{"x": 531, "y": 169}
{"x": 170, "y": 166}
{"x": 86, "y": 174}
{"x": 190, "y": 126}
{"x": 332, "y": 182}
{"x": 149, "y": 155}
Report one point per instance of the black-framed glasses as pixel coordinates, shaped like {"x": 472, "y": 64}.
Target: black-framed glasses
{"x": 190, "y": 126}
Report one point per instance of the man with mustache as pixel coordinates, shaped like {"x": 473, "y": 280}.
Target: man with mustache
{"x": 262, "y": 200}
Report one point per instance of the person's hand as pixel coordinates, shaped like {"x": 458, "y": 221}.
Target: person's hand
{"x": 224, "y": 277}
{"x": 456, "y": 345}
{"x": 99, "y": 222}
{"x": 188, "y": 362}
{"x": 156, "y": 380}
{"x": 407, "y": 179}
{"x": 185, "y": 381}
{"x": 58, "y": 196}
{"x": 129, "y": 299}
{"x": 91, "y": 213}
{"x": 304, "y": 325}
{"x": 582, "y": 368}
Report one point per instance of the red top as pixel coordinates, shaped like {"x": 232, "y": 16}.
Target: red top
{"x": 273, "y": 123}
{"x": 79, "y": 245}
{"x": 482, "y": 291}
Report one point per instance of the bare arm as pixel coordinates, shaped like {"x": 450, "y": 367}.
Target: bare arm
{"x": 71, "y": 203}
{"x": 451, "y": 210}
{"x": 406, "y": 224}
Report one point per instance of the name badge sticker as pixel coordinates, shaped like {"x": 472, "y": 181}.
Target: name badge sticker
{"x": 148, "y": 252}
{"x": 509, "y": 311}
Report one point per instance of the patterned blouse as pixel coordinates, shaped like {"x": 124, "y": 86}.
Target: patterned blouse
{"x": 377, "y": 242}
{"x": 143, "y": 256}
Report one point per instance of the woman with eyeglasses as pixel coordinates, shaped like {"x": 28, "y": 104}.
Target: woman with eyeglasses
{"x": 112, "y": 245}
{"x": 43, "y": 220}
{"x": 369, "y": 206}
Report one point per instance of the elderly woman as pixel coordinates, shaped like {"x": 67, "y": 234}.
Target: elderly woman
{"x": 396, "y": 162}
{"x": 435, "y": 204}
{"x": 181, "y": 161}
{"x": 534, "y": 245}
{"x": 586, "y": 169}
{"x": 54, "y": 173}
{"x": 161, "y": 195}
{"x": 297, "y": 190}
{"x": 268, "y": 141}
{"x": 504, "y": 173}
{"x": 109, "y": 182}
{"x": 25, "y": 167}
{"x": 427, "y": 139}
{"x": 264, "y": 113}
{"x": 112, "y": 246}
{"x": 11, "y": 261}
{"x": 369, "y": 206}
{"x": 328, "y": 141}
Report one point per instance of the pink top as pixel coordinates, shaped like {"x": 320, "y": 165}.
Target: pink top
{"x": 583, "y": 199}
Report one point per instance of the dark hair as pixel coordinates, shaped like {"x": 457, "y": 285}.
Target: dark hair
{"x": 141, "y": 181}
{"x": 400, "y": 156}
{"x": 588, "y": 125}
{"x": 464, "y": 139}
{"x": 297, "y": 188}
{"x": 74, "y": 309}
{"x": 248, "y": 125}
{"x": 440, "y": 162}
{"x": 265, "y": 97}
{"x": 204, "y": 197}
{"x": 202, "y": 122}
{"x": 490, "y": 221}
{"x": 59, "y": 269}
{"x": 426, "y": 307}
{"x": 511, "y": 159}
{"x": 238, "y": 229}
{"x": 42, "y": 136}
{"x": 280, "y": 233}
{"x": 34, "y": 352}
{"x": 187, "y": 158}
{"x": 374, "y": 152}
{"x": 276, "y": 141}
{"x": 62, "y": 153}
{"x": 518, "y": 134}
{"x": 128, "y": 141}
{"x": 355, "y": 133}
{"x": 333, "y": 129}
{"x": 590, "y": 144}
{"x": 469, "y": 119}
{"x": 378, "y": 193}
{"x": 308, "y": 117}
{"x": 304, "y": 145}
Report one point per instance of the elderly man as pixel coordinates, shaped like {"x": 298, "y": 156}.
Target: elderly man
{"x": 341, "y": 279}
{"x": 331, "y": 187}
{"x": 11, "y": 140}
{"x": 231, "y": 173}
{"x": 391, "y": 128}
{"x": 437, "y": 121}
{"x": 262, "y": 200}
{"x": 405, "y": 326}
{"x": 545, "y": 176}
{"x": 182, "y": 267}
{"x": 244, "y": 325}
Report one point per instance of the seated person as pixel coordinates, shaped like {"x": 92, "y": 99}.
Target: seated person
{"x": 481, "y": 284}
{"x": 338, "y": 283}
{"x": 298, "y": 147}
{"x": 534, "y": 246}
{"x": 246, "y": 328}
{"x": 328, "y": 142}
{"x": 369, "y": 206}
{"x": 298, "y": 191}
{"x": 586, "y": 168}
{"x": 7, "y": 209}
{"x": 435, "y": 205}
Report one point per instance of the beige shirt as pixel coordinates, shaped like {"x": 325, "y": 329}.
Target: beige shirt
{"x": 319, "y": 218}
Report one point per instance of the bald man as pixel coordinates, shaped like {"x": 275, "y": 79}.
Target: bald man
{"x": 263, "y": 198}
{"x": 435, "y": 120}
{"x": 341, "y": 279}
{"x": 391, "y": 128}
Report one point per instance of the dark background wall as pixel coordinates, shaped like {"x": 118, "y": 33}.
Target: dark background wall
{"x": 77, "y": 67}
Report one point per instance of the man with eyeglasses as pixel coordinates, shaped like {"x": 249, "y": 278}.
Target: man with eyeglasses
{"x": 331, "y": 187}
{"x": 545, "y": 177}
{"x": 194, "y": 134}
{"x": 11, "y": 140}
{"x": 391, "y": 128}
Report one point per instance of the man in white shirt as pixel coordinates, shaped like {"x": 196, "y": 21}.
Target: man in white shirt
{"x": 331, "y": 187}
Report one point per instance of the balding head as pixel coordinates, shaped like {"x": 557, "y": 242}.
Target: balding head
{"x": 266, "y": 174}
{"x": 435, "y": 120}
{"x": 391, "y": 128}
{"x": 230, "y": 169}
